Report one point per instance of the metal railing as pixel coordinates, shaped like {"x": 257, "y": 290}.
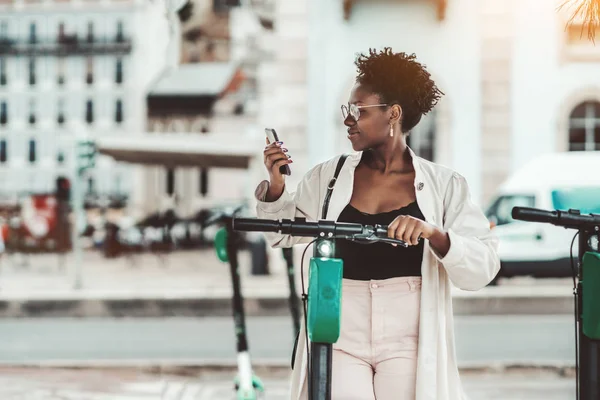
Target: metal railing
{"x": 65, "y": 46}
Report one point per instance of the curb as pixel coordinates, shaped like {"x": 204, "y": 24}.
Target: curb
{"x": 198, "y": 366}
{"x": 194, "y": 304}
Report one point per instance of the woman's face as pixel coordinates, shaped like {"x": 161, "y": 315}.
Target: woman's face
{"x": 373, "y": 126}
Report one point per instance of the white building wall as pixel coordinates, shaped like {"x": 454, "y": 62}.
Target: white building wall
{"x": 547, "y": 83}
{"x": 450, "y": 49}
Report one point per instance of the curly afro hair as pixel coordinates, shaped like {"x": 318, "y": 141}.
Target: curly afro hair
{"x": 399, "y": 79}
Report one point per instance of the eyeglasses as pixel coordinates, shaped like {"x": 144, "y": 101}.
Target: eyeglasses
{"x": 354, "y": 111}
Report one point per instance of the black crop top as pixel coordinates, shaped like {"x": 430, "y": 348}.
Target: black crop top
{"x": 379, "y": 260}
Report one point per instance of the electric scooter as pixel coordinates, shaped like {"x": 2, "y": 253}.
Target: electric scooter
{"x": 227, "y": 243}
{"x": 322, "y": 304}
{"x": 247, "y": 385}
{"x": 586, "y": 289}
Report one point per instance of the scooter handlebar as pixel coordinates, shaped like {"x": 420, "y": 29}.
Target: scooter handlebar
{"x": 569, "y": 219}
{"x": 322, "y": 228}
{"x": 256, "y": 225}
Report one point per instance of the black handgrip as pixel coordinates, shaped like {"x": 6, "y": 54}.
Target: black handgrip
{"x": 569, "y": 219}
{"x": 254, "y": 224}
{"x": 381, "y": 231}
{"x": 534, "y": 215}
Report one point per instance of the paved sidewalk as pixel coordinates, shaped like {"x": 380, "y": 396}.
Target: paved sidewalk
{"x": 131, "y": 384}
{"x": 196, "y": 271}
{"x": 197, "y": 283}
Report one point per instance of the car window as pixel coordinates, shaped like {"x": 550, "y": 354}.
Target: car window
{"x": 501, "y": 210}
{"x": 586, "y": 200}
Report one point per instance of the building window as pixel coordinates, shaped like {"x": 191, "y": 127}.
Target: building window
{"x": 89, "y": 76}
{"x": 119, "y": 112}
{"x": 90, "y": 32}
{"x": 89, "y": 112}
{"x": 584, "y": 127}
{"x": 32, "y": 33}
{"x": 32, "y": 111}
{"x": 32, "y": 153}
{"x": 3, "y": 113}
{"x": 119, "y": 71}
{"x": 2, "y": 71}
{"x": 61, "y": 112}
{"x": 224, "y": 5}
{"x": 32, "y": 71}
{"x": 90, "y": 185}
{"x": 120, "y": 36}
{"x": 61, "y": 32}
{"x": 422, "y": 137}
{"x": 60, "y": 67}
{"x": 203, "y": 183}
{"x": 3, "y": 151}
{"x": 170, "y": 181}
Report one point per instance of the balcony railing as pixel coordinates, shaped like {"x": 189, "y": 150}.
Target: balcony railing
{"x": 68, "y": 45}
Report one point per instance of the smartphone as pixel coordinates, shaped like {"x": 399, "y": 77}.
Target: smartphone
{"x": 272, "y": 136}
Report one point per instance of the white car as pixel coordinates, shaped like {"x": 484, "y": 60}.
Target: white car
{"x": 559, "y": 181}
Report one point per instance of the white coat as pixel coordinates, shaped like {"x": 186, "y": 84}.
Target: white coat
{"x": 470, "y": 264}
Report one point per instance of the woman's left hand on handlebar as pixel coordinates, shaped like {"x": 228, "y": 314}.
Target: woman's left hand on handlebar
{"x": 410, "y": 229}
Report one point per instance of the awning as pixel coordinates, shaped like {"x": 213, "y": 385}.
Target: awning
{"x": 180, "y": 150}
{"x": 201, "y": 79}
{"x": 192, "y": 89}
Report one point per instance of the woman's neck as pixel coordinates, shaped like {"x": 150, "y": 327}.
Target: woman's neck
{"x": 389, "y": 159}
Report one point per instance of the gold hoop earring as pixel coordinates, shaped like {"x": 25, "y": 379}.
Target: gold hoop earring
{"x": 391, "y": 130}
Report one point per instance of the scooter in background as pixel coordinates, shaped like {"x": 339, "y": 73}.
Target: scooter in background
{"x": 248, "y": 386}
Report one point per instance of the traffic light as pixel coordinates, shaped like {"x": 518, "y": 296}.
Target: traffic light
{"x": 86, "y": 155}
{"x": 63, "y": 188}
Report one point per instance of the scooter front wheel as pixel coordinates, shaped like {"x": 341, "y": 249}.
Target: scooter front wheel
{"x": 252, "y": 394}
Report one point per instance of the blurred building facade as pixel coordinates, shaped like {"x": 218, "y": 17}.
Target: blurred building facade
{"x": 71, "y": 68}
{"x": 517, "y": 83}
{"x": 212, "y": 96}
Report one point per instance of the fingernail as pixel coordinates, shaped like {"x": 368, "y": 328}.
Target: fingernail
{"x": 394, "y": 244}
{"x": 284, "y": 149}
{"x": 290, "y": 160}
{"x": 288, "y": 155}
{"x": 279, "y": 143}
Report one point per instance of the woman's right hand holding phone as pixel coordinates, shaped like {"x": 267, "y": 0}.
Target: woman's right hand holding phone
{"x": 275, "y": 156}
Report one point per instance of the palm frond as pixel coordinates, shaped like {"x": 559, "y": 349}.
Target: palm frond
{"x": 586, "y": 11}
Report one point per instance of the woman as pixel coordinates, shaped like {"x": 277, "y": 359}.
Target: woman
{"x": 396, "y": 339}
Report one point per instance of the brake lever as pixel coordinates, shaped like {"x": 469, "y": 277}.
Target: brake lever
{"x": 381, "y": 232}
{"x": 371, "y": 237}
{"x": 393, "y": 241}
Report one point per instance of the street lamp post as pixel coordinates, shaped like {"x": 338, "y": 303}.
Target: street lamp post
{"x": 85, "y": 159}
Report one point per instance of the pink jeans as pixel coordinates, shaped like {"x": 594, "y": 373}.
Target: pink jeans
{"x": 376, "y": 354}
